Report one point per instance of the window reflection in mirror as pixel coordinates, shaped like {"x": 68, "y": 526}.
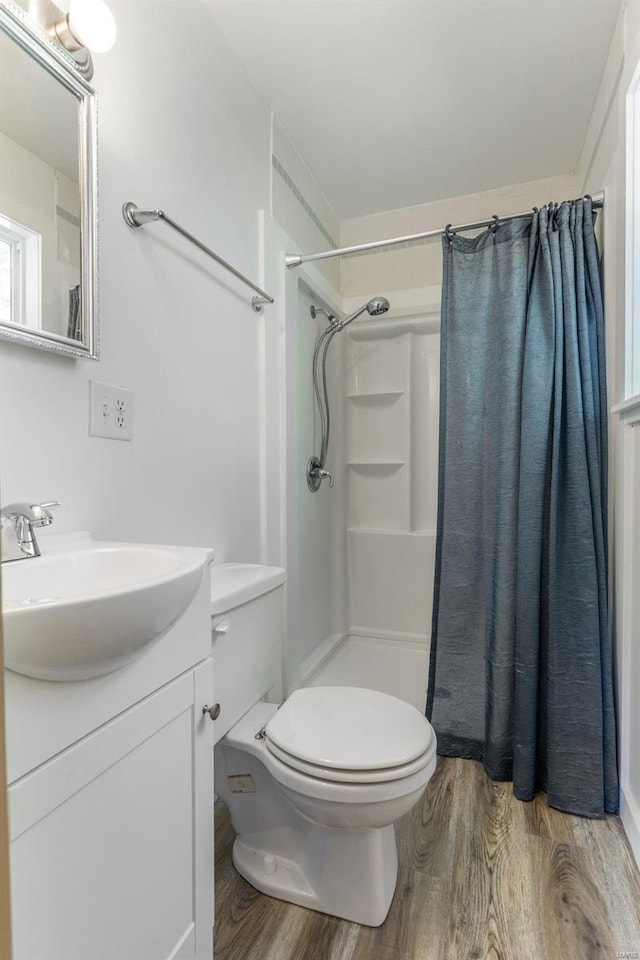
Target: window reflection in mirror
{"x": 40, "y": 210}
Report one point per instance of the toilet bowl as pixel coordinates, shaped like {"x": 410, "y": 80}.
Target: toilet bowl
{"x": 314, "y": 788}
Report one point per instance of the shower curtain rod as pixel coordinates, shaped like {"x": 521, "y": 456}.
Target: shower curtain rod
{"x": 297, "y": 259}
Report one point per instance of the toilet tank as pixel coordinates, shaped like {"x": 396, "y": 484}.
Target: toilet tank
{"x": 247, "y": 615}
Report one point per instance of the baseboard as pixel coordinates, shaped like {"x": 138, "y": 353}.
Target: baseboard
{"x": 630, "y": 816}
{"x": 367, "y": 633}
{"x": 323, "y": 651}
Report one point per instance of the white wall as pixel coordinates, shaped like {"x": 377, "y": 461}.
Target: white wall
{"x": 602, "y": 165}
{"x": 300, "y": 206}
{"x": 180, "y": 127}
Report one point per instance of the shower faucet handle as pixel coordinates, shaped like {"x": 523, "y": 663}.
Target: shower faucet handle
{"x": 316, "y": 474}
{"x": 325, "y": 475}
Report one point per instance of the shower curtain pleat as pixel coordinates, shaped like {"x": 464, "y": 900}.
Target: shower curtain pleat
{"x": 520, "y": 671}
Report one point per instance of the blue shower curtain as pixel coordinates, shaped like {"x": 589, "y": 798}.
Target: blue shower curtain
{"x": 520, "y": 671}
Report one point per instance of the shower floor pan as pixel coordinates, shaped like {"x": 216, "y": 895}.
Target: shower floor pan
{"x": 390, "y": 666}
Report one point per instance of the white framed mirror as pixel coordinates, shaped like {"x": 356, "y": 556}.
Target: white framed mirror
{"x": 48, "y": 193}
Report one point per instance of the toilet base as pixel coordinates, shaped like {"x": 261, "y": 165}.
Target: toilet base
{"x": 322, "y": 876}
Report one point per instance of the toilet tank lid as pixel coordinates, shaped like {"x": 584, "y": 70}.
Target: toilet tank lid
{"x": 349, "y": 728}
{"x": 233, "y": 584}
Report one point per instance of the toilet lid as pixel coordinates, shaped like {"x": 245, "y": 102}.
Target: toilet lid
{"x": 349, "y": 728}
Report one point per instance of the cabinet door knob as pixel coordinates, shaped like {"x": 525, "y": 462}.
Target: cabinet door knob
{"x": 214, "y": 711}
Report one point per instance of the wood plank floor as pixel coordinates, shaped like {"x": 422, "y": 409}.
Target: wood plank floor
{"x": 482, "y": 877}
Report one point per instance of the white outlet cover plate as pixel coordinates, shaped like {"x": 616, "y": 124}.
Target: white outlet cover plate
{"x": 110, "y": 411}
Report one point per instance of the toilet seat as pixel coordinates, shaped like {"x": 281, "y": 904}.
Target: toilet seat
{"x": 343, "y": 792}
{"x": 349, "y": 776}
{"x": 350, "y": 735}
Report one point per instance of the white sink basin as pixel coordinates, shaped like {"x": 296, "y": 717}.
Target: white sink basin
{"x": 84, "y": 608}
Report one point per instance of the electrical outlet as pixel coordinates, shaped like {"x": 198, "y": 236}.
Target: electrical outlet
{"x": 110, "y": 411}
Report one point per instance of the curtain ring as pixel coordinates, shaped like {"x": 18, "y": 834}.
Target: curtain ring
{"x": 535, "y": 210}
{"x": 496, "y": 222}
{"x": 449, "y": 234}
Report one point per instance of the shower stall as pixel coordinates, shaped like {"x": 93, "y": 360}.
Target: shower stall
{"x": 361, "y": 504}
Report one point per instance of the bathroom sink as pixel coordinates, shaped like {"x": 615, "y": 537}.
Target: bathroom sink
{"x": 85, "y": 608}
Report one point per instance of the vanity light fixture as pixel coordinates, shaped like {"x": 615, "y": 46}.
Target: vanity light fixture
{"x": 90, "y": 26}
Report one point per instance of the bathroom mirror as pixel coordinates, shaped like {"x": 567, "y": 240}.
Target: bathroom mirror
{"x": 48, "y": 193}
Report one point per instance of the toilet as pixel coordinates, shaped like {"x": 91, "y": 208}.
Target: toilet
{"x": 314, "y": 787}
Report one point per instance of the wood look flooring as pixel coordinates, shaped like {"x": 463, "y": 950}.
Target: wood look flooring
{"x": 482, "y": 877}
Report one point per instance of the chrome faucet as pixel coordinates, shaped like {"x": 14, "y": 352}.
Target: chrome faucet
{"x": 17, "y": 523}
{"x": 316, "y": 474}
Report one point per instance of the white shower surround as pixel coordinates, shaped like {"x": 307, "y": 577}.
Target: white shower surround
{"x": 364, "y": 550}
{"x": 303, "y": 532}
{"x": 322, "y": 563}
{"x": 392, "y": 391}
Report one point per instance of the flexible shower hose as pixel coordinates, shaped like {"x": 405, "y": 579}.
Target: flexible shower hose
{"x": 322, "y": 395}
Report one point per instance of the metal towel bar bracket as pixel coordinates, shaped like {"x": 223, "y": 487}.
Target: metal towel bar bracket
{"x": 134, "y": 217}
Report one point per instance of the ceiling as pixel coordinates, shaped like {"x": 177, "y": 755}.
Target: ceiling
{"x": 398, "y": 102}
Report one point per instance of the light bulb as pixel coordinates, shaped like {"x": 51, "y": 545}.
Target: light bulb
{"x": 92, "y": 24}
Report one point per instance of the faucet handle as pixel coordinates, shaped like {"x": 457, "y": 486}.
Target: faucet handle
{"x": 325, "y": 475}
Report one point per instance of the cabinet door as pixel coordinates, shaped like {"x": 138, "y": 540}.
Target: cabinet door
{"x": 106, "y": 855}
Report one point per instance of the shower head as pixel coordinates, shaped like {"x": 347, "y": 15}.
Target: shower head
{"x": 377, "y": 306}
{"x": 374, "y": 308}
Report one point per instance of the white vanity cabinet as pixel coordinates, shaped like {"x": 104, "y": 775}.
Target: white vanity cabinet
{"x": 111, "y": 804}
{"x": 112, "y": 840}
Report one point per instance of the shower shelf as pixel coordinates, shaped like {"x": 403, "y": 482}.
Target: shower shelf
{"x": 391, "y": 532}
{"x": 376, "y": 463}
{"x": 375, "y": 394}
